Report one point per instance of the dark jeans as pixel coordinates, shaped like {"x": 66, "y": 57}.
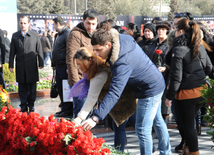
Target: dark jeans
{"x": 187, "y": 111}
{"x": 120, "y": 132}
{"x": 61, "y": 74}
{"x": 46, "y": 56}
{"x": 2, "y": 82}
{"x": 27, "y": 95}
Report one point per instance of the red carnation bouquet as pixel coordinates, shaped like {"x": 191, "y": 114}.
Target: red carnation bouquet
{"x": 31, "y": 134}
{"x": 159, "y": 52}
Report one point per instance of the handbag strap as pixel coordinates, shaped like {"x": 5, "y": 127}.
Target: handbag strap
{"x": 54, "y": 76}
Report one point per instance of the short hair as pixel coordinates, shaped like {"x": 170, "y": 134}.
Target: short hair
{"x": 101, "y": 37}
{"x": 24, "y": 16}
{"x": 112, "y": 22}
{"x": 91, "y": 14}
{"x": 5, "y": 32}
{"x": 59, "y": 20}
{"x": 105, "y": 25}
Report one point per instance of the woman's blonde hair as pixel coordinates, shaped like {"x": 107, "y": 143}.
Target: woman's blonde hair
{"x": 96, "y": 62}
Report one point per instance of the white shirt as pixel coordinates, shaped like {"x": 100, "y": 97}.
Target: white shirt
{"x": 95, "y": 87}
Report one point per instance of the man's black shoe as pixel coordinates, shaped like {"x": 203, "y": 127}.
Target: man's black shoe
{"x": 64, "y": 114}
{"x": 23, "y": 109}
{"x": 59, "y": 112}
{"x": 61, "y": 104}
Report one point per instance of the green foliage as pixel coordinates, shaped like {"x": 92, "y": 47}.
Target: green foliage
{"x": 12, "y": 87}
{"x": 115, "y": 151}
{"x": 208, "y": 95}
{"x": 8, "y": 76}
{"x": 43, "y": 84}
{"x": 43, "y": 74}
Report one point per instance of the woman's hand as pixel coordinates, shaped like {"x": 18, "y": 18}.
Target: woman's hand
{"x": 168, "y": 102}
{"x": 161, "y": 69}
{"x": 88, "y": 124}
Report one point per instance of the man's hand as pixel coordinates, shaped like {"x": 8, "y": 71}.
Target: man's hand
{"x": 168, "y": 102}
{"x": 11, "y": 70}
{"x": 41, "y": 67}
{"x": 0, "y": 65}
{"x": 161, "y": 69}
{"x": 88, "y": 124}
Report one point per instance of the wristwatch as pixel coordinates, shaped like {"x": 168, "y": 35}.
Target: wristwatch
{"x": 95, "y": 119}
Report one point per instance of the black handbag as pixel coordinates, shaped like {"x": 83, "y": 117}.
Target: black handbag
{"x": 54, "y": 91}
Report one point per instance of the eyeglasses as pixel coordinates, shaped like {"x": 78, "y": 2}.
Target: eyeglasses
{"x": 179, "y": 15}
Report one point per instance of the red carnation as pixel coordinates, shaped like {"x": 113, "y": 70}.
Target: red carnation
{"x": 32, "y": 144}
{"x": 159, "y": 51}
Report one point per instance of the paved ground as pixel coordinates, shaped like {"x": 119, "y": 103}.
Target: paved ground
{"x": 46, "y": 106}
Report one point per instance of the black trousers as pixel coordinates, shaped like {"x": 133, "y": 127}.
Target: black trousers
{"x": 27, "y": 95}
{"x": 187, "y": 111}
{"x": 61, "y": 74}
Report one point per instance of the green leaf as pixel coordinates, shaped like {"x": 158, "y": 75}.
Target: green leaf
{"x": 28, "y": 139}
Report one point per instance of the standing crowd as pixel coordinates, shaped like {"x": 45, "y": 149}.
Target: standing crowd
{"x": 132, "y": 78}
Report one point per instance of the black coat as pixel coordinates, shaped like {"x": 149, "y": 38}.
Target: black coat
{"x": 144, "y": 44}
{"x": 7, "y": 50}
{"x": 2, "y": 48}
{"x": 152, "y": 51}
{"x": 59, "y": 48}
{"x": 29, "y": 56}
{"x": 186, "y": 73}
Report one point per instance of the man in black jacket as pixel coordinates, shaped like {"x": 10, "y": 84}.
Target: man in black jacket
{"x": 7, "y": 47}
{"x": 27, "y": 48}
{"x": 2, "y": 55}
{"x": 59, "y": 63}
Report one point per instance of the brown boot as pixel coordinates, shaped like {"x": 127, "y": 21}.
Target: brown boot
{"x": 194, "y": 153}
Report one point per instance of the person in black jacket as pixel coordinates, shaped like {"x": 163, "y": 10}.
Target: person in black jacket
{"x": 2, "y": 57}
{"x": 7, "y": 47}
{"x": 149, "y": 36}
{"x": 59, "y": 62}
{"x": 27, "y": 48}
{"x": 189, "y": 65}
{"x": 163, "y": 29}
{"x": 134, "y": 31}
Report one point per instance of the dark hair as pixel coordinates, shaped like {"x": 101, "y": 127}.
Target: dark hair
{"x": 119, "y": 29}
{"x": 156, "y": 19}
{"x": 191, "y": 28}
{"x": 186, "y": 15}
{"x": 112, "y": 22}
{"x": 59, "y": 20}
{"x": 101, "y": 37}
{"x": 105, "y": 25}
{"x": 24, "y": 16}
{"x": 134, "y": 27}
{"x": 5, "y": 32}
{"x": 206, "y": 37}
{"x": 91, "y": 14}
{"x": 85, "y": 54}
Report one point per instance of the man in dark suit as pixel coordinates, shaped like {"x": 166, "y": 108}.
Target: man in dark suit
{"x": 2, "y": 57}
{"x": 27, "y": 48}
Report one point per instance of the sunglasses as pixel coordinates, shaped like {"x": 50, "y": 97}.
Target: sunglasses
{"x": 179, "y": 15}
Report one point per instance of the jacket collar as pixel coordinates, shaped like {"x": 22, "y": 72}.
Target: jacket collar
{"x": 80, "y": 27}
{"x": 62, "y": 30}
{"x": 182, "y": 40}
{"x": 114, "y": 54}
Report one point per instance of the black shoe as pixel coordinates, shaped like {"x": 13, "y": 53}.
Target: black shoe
{"x": 23, "y": 109}
{"x": 178, "y": 148}
{"x": 198, "y": 129}
{"x": 57, "y": 113}
{"x": 61, "y": 104}
{"x": 64, "y": 114}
